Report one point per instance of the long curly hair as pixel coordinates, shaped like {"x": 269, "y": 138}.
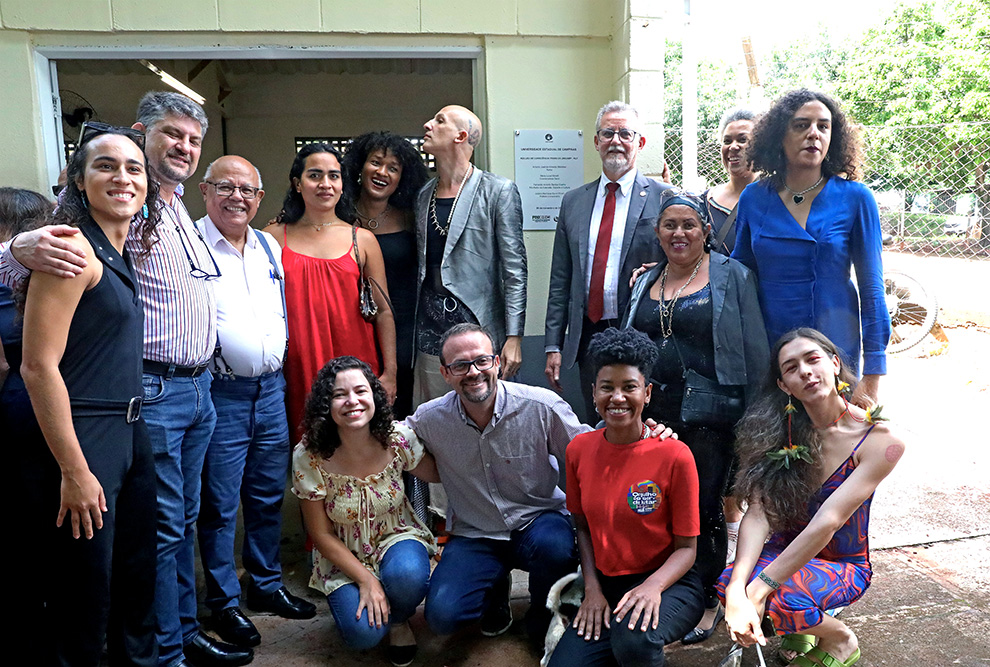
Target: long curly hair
{"x": 73, "y": 209}
{"x": 320, "y": 433}
{"x": 765, "y": 152}
{"x": 782, "y": 492}
{"x": 293, "y": 206}
{"x": 414, "y": 174}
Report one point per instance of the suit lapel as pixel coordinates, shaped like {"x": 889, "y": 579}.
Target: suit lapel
{"x": 718, "y": 270}
{"x": 462, "y": 210}
{"x": 637, "y": 203}
{"x": 422, "y": 219}
{"x": 585, "y": 205}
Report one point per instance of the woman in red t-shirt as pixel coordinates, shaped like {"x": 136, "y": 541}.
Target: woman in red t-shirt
{"x": 635, "y": 506}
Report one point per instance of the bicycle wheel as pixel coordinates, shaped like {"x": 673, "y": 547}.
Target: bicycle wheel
{"x": 913, "y": 310}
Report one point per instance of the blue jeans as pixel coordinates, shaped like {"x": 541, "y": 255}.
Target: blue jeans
{"x": 405, "y": 576}
{"x": 471, "y": 567}
{"x": 180, "y": 418}
{"x": 247, "y": 462}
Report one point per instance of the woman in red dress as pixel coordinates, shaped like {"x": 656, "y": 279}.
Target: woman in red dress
{"x": 321, "y": 252}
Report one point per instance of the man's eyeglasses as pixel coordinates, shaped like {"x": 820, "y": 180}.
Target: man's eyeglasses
{"x": 463, "y": 367}
{"x": 194, "y": 270}
{"x": 93, "y": 129}
{"x": 625, "y": 134}
{"x": 226, "y": 189}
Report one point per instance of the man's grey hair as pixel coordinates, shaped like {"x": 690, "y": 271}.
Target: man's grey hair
{"x": 209, "y": 173}
{"x": 734, "y": 114}
{"x": 157, "y": 104}
{"x": 615, "y": 106}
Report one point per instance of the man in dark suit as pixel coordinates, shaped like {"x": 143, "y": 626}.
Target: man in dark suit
{"x": 604, "y": 231}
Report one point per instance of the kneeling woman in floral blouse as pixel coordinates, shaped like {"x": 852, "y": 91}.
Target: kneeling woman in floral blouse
{"x": 372, "y": 557}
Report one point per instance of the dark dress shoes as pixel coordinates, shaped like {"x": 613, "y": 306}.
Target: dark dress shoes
{"x": 205, "y": 651}
{"x": 234, "y": 627}
{"x": 281, "y": 603}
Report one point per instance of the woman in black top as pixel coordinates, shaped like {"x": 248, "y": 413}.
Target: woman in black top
{"x": 702, "y": 311}
{"x": 82, "y": 366}
{"x": 384, "y": 172}
{"x": 734, "y": 133}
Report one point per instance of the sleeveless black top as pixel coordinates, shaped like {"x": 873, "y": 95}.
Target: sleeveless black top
{"x": 103, "y": 357}
{"x": 401, "y": 264}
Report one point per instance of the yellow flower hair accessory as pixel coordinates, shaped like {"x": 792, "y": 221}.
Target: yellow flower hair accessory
{"x": 873, "y": 415}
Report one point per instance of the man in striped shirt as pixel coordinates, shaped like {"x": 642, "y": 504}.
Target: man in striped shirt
{"x": 179, "y": 338}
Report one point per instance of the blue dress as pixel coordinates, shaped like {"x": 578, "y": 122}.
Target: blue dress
{"x": 805, "y": 274}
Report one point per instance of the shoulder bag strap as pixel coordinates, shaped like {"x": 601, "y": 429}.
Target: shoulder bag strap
{"x": 729, "y": 224}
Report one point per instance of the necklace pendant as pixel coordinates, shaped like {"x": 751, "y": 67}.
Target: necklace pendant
{"x": 798, "y": 199}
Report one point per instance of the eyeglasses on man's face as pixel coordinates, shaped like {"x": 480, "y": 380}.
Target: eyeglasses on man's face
{"x": 483, "y": 363}
{"x": 625, "y": 134}
{"x": 227, "y": 189}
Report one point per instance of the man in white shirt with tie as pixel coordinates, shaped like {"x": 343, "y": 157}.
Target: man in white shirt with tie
{"x": 248, "y": 457}
{"x": 604, "y": 231}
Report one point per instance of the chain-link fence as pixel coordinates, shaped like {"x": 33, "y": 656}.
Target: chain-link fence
{"x": 931, "y": 182}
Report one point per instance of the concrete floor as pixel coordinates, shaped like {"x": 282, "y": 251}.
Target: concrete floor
{"x": 927, "y": 606}
{"x": 930, "y": 532}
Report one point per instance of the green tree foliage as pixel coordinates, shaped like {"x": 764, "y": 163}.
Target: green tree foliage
{"x": 717, "y": 88}
{"x": 921, "y": 82}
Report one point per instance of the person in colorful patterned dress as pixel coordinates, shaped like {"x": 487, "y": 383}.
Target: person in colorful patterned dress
{"x": 817, "y": 555}
{"x": 372, "y": 555}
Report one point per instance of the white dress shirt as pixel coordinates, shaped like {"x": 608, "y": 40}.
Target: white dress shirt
{"x": 250, "y": 317}
{"x": 622, "y": 195}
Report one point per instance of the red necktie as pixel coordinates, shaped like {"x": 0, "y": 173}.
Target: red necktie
{"x": 596, "y": 293}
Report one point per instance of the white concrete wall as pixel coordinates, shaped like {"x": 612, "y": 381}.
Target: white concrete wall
{"x": 541, "y": 64}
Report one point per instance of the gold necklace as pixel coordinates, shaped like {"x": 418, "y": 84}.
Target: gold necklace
{"x": 443, "y": 229}
{"x": 320, "y": 226}
{"x": 667, "y": 310}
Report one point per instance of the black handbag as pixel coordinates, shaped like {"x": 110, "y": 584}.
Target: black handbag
{"x": 708, "y": 403}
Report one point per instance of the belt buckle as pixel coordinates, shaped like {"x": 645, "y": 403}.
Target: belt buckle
{"x": 134, "y": 409}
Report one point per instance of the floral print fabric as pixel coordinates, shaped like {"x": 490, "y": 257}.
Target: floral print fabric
{"x": 368, "y": 515}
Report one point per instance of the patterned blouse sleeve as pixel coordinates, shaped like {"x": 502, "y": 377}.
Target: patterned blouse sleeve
{"x": 410, "y": 448}
{"x": 307, "y": 480}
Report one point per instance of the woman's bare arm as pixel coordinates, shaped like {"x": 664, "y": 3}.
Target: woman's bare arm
{"x": 374, "y": 268}
{"x": 320, "y": 529}
{"x": 49, "y": 308}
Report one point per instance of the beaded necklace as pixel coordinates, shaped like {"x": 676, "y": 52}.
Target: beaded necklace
{"x": 443, "y": 229}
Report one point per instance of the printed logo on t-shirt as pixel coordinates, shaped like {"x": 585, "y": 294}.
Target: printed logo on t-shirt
{"x": 644, "y": 497}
